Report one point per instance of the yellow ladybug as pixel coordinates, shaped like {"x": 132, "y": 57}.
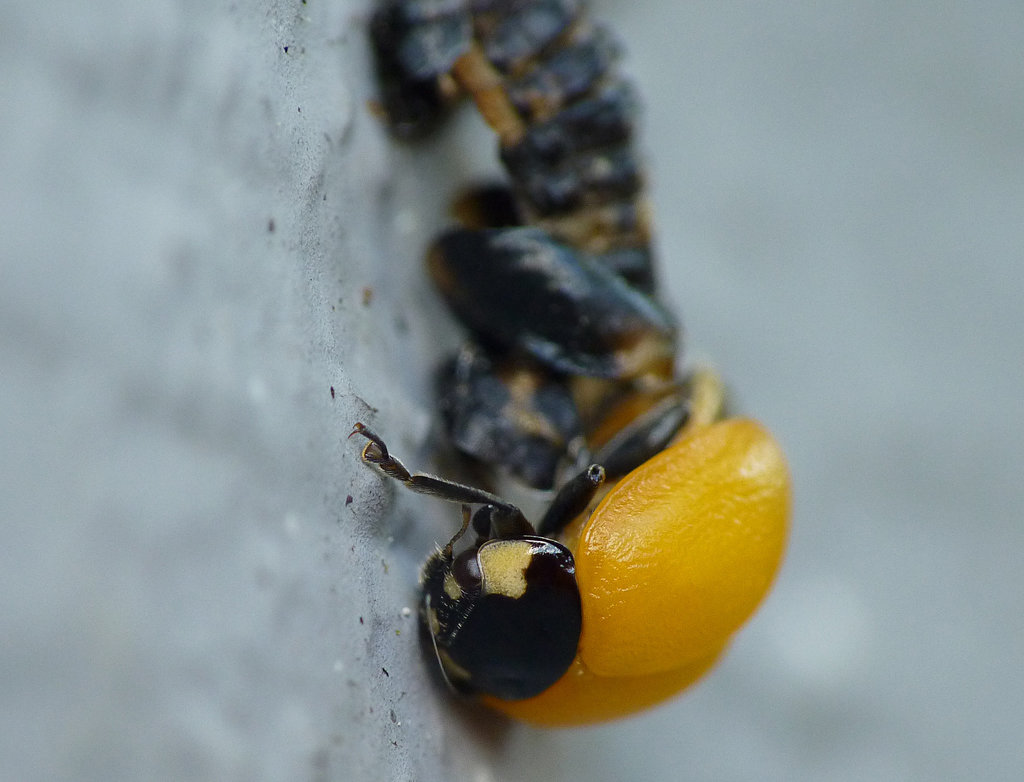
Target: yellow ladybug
{"x": 620, "y": 608}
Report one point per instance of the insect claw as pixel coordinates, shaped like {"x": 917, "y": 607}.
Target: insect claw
{"x": 374, "y": 451}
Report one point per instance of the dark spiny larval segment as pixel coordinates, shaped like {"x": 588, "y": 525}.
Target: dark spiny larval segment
{"x": 519, "y": 288}
{"x": 575, "y": 156}
{"x": 416, "y": 43}
{"x": 510, "y": 412}
{"x": 553, "y": 275}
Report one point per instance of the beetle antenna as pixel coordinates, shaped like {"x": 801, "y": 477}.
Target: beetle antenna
{"x": 572, "y": 499}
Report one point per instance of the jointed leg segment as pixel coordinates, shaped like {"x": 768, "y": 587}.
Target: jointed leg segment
{"x": 506, "y": 517}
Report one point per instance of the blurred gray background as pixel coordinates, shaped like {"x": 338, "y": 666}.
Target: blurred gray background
{"x": 209, "y": 268}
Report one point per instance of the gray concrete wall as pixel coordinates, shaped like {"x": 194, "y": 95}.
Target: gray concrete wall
{"x": 205, "y": 231}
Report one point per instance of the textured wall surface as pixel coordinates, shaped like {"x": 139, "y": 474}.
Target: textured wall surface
{"x": 209, "y": 269}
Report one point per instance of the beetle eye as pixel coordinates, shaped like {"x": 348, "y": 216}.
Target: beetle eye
{"x": 466, "y": 571}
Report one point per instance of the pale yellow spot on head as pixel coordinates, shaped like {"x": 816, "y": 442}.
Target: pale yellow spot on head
{"x": 451, "y": 587}
{"x": 503, "y": 566}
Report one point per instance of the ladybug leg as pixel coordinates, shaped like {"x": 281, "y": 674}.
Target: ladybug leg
{"x": 696, "y": 402}
{"x": 505, "y": 516}
{"x": 646, "y": 435}
{"x": 446, "y": 552}
{"x": 376, "y": 454}
{"x": 572, "y": 499}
